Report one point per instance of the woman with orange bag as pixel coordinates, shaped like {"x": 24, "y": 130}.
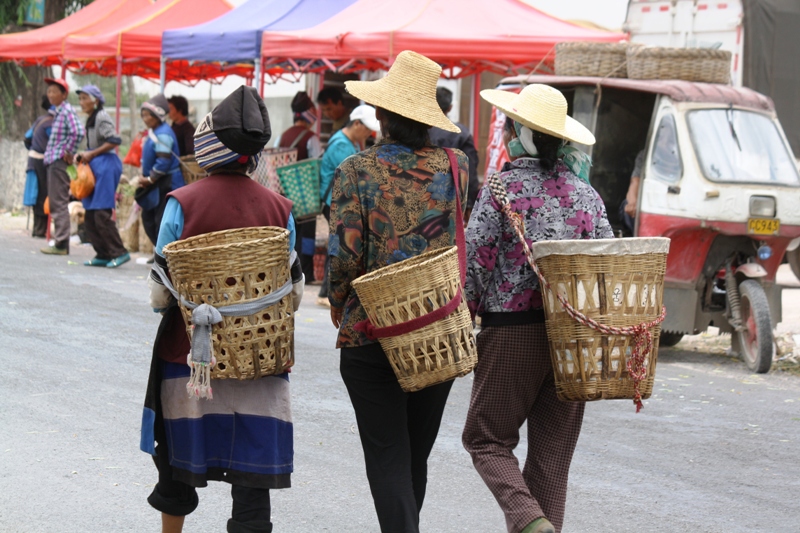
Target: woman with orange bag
{"x": 101, "y": 140}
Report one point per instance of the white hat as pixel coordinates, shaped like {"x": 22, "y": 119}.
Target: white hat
{"x": 408, "y": 89}
{"x": 366, "y": 115}
{"x": 541, "y": 108}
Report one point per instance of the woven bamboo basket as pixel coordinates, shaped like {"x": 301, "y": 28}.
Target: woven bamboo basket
{"x": 690, "y": 64}
{"x": 592, "y": 59}
{"x": 617, "y": 282}
{"x": 191, "y": 170}
{"x": 300, "y": 183}
{"x": 235, "y": 266}
{"x": 271, "y": 160}
{"x": 127, "y": 220}
{"x": 409, "y": 289}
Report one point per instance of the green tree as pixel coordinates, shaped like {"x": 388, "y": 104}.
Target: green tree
{"x": 21, "y": 88}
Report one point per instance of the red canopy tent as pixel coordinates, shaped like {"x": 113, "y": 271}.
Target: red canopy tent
{"x": 45, "y": 46}
{"x": 464, "y": 36}
{"x": 130, "y": 44}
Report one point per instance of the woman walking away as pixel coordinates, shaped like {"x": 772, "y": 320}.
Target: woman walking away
{"x": 391, "y": 202}
{"x": 244, "y": 435}
{"x": 302, "y": 137}
{"x": 36, "y": 143}
{"x": 101, "y": 140}
{"x": 161, "y": 168}
{"x": 514, "y": 378}
{"x": 65, "y": 135}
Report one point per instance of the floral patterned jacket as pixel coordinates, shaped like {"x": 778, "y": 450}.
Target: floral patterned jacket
{"x": 556, "y": 205}
{"x": 389, "y": 203}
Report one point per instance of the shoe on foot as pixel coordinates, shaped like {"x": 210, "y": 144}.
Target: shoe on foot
{"x": 323, "y": 302}
{"x": 540, "y": 525}
{"x": 117, "y": 261}
{"x": 54, "y": 250}
{"x": 96, "y": 262}
{"x": 151, "y": 260}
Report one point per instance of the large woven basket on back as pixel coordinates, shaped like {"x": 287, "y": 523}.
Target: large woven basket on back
{"x": 300, "y": 183}
{"x": 236, "y": 266}
{"x": 592, "y": 59}
{"x": 412, "y": 288}
{"x": 191, "y": 170}
{"x": 691, "y": 64}
{"x": 271, "y": 160}
{"x": 616, "y": 282}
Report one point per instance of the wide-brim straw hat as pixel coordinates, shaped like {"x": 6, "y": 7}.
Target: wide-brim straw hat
{"x": 409, "y": 89}
{"x": 541, "y": 108}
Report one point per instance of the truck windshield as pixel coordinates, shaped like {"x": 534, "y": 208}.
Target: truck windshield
{"x": 741, "y": 146}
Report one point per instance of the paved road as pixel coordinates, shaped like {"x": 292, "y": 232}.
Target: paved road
{"x": 715, "y": 449}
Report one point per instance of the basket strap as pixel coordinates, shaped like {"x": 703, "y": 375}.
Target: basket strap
{"x": 373, "y": 333}
{"x": 461, "y": 242}
{"x": 642, "y": 337}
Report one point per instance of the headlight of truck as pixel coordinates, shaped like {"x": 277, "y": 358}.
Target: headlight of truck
{"x": 762, "y": 206}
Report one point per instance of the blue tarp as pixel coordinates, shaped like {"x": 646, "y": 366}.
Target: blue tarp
{"x": 235, "y": 37}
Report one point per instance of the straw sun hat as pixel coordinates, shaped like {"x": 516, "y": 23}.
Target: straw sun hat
{"x": 409, "y": 89}
{"x": 541, "y": 108}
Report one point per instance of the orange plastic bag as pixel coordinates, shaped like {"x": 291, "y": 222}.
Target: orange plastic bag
{"x": 83, "y": 185}
{"x": 46, "y": 206}
{"x": 134, "y": 155}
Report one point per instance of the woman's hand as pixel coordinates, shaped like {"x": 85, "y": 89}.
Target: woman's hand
{"x": 336, "y": 316}
{"x": 85, "y": 157}
{"x": 68, "y": 159}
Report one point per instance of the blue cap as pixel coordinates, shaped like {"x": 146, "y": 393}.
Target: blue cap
{"x": 92, "y": 90}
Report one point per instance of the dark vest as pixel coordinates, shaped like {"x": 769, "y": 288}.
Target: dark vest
{"x": 289, "y": 136}
{"x": 216, "y": 203}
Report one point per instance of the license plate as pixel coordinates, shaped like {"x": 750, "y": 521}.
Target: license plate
{"x": 763, "y": 226}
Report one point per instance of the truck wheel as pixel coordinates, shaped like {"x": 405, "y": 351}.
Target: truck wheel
{"x": 793, "y": 258}
{"x": 756, "y": 340}
{"x": 668, "y": 338}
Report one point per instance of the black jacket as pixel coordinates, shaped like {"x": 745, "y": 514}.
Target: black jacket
{"x": 463, "y": 141}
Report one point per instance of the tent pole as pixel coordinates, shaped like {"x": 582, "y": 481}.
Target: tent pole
{"x": 261, "y": 77}
{"x": 162, "y": 78}
{"x": 119, "y": 91}
{"x": 257, "y": 77}
{"x": 476, "y": 105}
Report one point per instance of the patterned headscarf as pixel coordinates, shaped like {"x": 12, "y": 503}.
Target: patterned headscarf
{"x": 577, "y": 161}
{"x": 236, "y": 130}
{"x": 158, "y": 106}
{"x": 303, "y": 108}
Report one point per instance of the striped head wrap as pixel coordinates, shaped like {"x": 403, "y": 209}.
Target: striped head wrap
{"x": 210, "y": 153}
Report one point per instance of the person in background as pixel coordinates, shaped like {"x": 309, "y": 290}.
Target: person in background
{"x": 184, "y": 130}
{"x": 65, "y": 136}
{"x": 332, "y": 106}
{"x": 301, "y": 136}
{"x": 392, "y": 201}
{"x": 243, "y": 436}
{"x": 344, "y": 143}
{"x": 161, "y": 167}
{"x": 461, "y": 140}
{"x": 513, "y": 381}
{"x": 36, "y": 143}
{"x": 627, "y": 210}
{"x": 101, "y": 140}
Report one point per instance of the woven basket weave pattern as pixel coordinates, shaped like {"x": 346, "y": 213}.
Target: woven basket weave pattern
{"x": 690, "y": 64}
{"x": 395, "y": 294}
{"x": 615, "y": 290}
{"x": 592, "y": 59}
{"x": 271, "y": 160}
{"x": 300, "y": 183}
{"x": 234, "y": 266}
{"x": 191, "y": 170}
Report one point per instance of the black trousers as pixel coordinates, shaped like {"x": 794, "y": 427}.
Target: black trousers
{"x": 102, "y": 232}
{"x": 397, "y": 430}
{"x": 39, "y": 216}
{"x": 251, "y": 507}
{"x": 305, "y": 238}
{"x": 151, "y": 219}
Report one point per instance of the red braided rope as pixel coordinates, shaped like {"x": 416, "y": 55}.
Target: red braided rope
{"x": 642, "y": 336}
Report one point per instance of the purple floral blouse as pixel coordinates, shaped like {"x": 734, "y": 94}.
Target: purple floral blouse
{"x": 557, "y": 205}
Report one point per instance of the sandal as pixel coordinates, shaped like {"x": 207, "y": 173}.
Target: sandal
{"x": 96, "y": 262}
{"x": 540, "y": 525}
{"x": 117, "y": 261}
